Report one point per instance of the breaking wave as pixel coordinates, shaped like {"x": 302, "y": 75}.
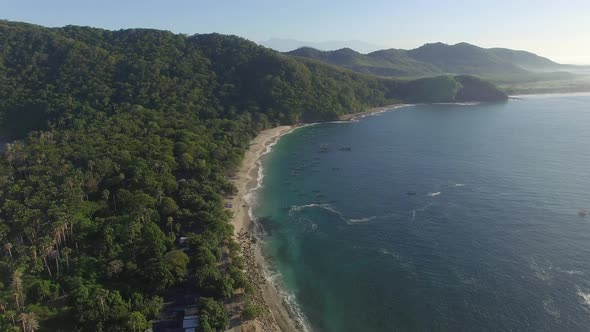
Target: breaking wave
{"x": 289, "y": 301}
{"x": 585, "y": 297}
{"x": 327, "y": 207}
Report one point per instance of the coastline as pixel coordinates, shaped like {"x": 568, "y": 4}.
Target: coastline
{"x": 380, "y": 109}
{"x": 548, "y": 94}
{"x": 247, "y": 180}
{"x": 280, "y": 315}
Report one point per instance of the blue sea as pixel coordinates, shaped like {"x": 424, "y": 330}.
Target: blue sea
{"x": 435, "y": 218}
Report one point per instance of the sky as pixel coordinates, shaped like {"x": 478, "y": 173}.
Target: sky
{"x": 555, "y": 29}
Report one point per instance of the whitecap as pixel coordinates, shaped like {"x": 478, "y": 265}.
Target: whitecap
{"x": 570, "y": 272}
{"x": 297, "y": 208}
{"x": 389, "y": 253}
{"x": 434, "y": 194}
{"x": 585, "y": 297}
{"x": 361, "y": 220}
{"x": 350, "y": 221}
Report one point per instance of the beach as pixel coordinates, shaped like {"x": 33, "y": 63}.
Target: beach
{"x": 247, "y": 180}
{"x": 372, "y": 238}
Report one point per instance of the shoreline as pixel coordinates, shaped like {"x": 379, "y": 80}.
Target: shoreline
{"x": 280, "y": 315}
{"x": 247, "y": 180}
{"x": 549, "y": 94}
{"x": 354, "y": 116}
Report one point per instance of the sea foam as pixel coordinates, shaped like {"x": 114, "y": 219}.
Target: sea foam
{"x": 349, "y": 221}
{"x": 585, "y": 297}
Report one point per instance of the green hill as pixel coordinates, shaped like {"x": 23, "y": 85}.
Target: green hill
{"x": 126, "y": 142}
{"x": 388, "y": 63}
{"x": 495, "y": 64}
{"x": 464, "y": 58}
{"x": 526, "y": 60}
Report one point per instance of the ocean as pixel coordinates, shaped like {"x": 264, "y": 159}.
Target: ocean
{"x": 435, "y": 218}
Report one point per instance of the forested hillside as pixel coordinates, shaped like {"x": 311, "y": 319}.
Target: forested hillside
{"x": 496, "y": 64}
{"x": 126, "y": 142}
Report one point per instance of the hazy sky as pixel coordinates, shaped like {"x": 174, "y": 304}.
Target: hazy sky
{"x": 553, "y": 28}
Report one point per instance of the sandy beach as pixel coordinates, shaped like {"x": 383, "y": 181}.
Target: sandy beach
{"x": 280, "y": 317}
{"x": 247, "y": 177}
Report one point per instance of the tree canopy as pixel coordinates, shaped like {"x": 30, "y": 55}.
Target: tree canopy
{"x": 126, "y": 141}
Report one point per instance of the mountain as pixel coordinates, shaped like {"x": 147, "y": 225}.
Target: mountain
{"x": 464, "y": 58}
{"x": 497, "y": 64}
{"x": 386, "y": 63}
{"x": 123, "y": 142}
{"x": 524, "y": 59}
{"x": 285, "y": 45}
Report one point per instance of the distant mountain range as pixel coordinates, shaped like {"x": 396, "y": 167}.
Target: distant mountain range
{"x": 496, "y": 64}
{"x": 286, "y": 45}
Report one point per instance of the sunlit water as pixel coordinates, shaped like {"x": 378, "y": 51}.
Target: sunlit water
{"x": 440, "y": 217}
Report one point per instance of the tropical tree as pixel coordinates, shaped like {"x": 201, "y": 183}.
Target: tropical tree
{"x": 17, "y": 286}
{"x": 137, "y": 322}
{"x": 212, "y": 314}
{"x": 29, "y": 321}
{"x": 8, "y": 247}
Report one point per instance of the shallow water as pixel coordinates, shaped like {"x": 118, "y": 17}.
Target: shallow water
{"x": 440, "y": 217}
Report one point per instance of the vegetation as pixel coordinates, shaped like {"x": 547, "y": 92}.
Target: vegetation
{"x": 388, "y": 63}
{"x": 252, "y": 310}
{"x": 502, "y": 66}
{"x": 126, "y": 142}
{"x": 213, "y": 316}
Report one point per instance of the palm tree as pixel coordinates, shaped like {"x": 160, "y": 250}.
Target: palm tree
{"x": 8, "y": 247}
{"x": 17, "y": 285}
{"x": 47, "y": 249}
{"x": 11, "y": 314}
{"x": 170, "y": 222}
{"x": 67, "y": 252}
{"x": 33, "y": 249}
{"x": 29, "y": 321}
{"x": 23, "y": 318}
{"x": 101, "y": 299}
{"x": 30, "y": 233}
{"x": 33, "y": 322}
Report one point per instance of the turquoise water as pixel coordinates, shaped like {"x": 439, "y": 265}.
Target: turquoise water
{"x": 440, "y": 217}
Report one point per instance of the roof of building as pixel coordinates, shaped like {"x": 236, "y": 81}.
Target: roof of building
{"x": 190, "y": 322}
